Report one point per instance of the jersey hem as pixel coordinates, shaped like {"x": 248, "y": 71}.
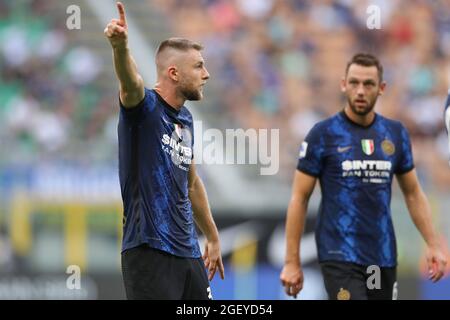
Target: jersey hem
{"x": 155, "y": 244}
{"x": 358, "y": 262}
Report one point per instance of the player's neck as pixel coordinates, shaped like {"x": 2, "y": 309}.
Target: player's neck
{"x": 362, "y": 120}
{"x": 169, "y": 95}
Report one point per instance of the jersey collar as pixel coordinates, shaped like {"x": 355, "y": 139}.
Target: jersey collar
{"x": 166, "y": 105}
{"x": 344, "y": 115}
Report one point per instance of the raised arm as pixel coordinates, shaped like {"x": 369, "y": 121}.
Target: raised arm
{"x": 131, "y": 83}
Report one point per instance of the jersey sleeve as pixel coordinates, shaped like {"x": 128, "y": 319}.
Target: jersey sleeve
{"x": 311, "y": 152}
{"x": 137, "y": 113}
{"x": 405, "y": 158}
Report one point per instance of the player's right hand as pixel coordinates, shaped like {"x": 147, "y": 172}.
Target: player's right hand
{"x": 117, "y": 30}
{"x": 292, "y": 278}
{"x": 437, "y": 261}
{"x": 213, "y": 259}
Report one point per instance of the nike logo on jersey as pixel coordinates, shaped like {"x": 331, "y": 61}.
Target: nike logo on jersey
{"x": 343, "y": 149}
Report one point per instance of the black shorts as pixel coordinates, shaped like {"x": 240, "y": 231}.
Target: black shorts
{"x": 345, "y": 280}
{"x": 154, "y": 274}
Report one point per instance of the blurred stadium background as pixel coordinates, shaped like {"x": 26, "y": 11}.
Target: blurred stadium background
{"x": 274, "y": 64}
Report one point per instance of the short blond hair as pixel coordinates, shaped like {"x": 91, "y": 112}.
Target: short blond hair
{"x": 180, "y": 44}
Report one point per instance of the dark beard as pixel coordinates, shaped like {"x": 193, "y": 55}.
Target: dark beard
{"x": 191, "y": 95}
{"x": 366, "y": 111}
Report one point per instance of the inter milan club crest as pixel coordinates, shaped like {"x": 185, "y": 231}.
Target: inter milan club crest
{"x": 343, "y": 294}
{"x": 388, "y": 147}
{"x": 368, "y": 147}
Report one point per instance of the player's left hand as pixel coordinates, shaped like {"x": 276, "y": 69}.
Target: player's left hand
{"x": 437, "y": 262}
{"x": 213, "y": 259}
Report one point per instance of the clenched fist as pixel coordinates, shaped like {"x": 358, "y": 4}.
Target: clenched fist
{"x": 117, "y": 30}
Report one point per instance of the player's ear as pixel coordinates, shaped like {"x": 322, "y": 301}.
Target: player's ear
{"x": 382, "y": 88}
{"x": 343, "y": 84}
{"x": 172, "y": 72}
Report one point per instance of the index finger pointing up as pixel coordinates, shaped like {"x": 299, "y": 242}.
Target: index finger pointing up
{"x": 122, "y": 19}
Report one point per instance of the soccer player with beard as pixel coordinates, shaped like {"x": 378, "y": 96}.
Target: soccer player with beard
{"x": 161, "y": 191}
{"x": 355, "y": 155}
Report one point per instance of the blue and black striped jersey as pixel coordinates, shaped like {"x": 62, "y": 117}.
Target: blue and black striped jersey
{"x": 355, "y": 166}
{"x": 155, "y": 152}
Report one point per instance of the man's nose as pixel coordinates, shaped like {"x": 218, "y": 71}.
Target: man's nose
{"x": 360, "y": 90}
{"x": 205, "y": 74}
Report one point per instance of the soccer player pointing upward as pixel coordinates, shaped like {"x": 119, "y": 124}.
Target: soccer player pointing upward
{"x": 161, "y": 191}
{"x": 355, "y": 155}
